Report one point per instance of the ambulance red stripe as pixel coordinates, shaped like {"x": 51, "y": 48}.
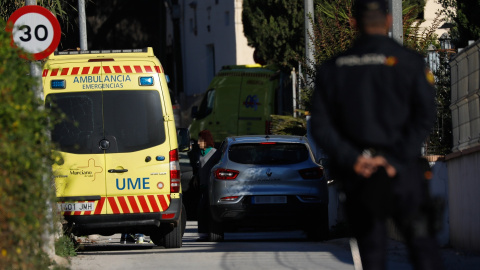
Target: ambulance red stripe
{"x": 144, "y": 204}
{"x": 107, "y": 69}
{"x": 117, "y": 69}
{"x": 148, "y": 69}
{"x": 133, "y": 204}
{"x": 75, "y": 70}
{"x": 153, "y": 203}
{"x": 138, "y": 69}
{"x": 96, "y": 70}
{"x": 123, "y": 204}
{"x": 128, "y": 69}
{"x": 113, "y": 205}
{"x": 98, "y": 209}
{"x": 163, "y": 202}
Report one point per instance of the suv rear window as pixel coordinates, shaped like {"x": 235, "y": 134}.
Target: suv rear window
{"x": 271, "y": 154}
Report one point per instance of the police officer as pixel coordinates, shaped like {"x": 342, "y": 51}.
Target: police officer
{"x": 373, "y": 107}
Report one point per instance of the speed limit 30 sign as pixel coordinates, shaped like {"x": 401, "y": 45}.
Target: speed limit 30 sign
{"x": 34, "y": 29}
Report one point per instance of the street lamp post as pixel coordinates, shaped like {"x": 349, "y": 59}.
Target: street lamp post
{"x": 445, "y": 41}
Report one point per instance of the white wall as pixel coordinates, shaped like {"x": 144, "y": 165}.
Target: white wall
{"x": 219, "y": 25}
{"x": 464, "y": 163}
{"x": 430, "y": 13}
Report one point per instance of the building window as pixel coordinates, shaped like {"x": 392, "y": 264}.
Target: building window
{"x": 210, "y": 59}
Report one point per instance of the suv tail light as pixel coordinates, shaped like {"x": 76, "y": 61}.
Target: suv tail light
{"x": 226, "y": 174}
{"x": 174, "y": 171}
{"x": 229, "y": 198}
{"x": 311, "y": 173}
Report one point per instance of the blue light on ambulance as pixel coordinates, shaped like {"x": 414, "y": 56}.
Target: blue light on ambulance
{"x": 146, "y": 81}
{"x": 58, "y": 84}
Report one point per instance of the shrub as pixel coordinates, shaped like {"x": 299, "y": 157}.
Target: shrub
{"x": 25, "y": 167}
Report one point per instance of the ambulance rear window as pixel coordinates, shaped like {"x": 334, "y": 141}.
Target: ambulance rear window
{"x": 129, "y": 120}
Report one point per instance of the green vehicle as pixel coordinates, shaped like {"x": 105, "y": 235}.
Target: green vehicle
{"x": 240, "y": 101}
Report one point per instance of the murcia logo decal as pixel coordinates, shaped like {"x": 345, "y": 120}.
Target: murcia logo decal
{"x": 88, "y": 171}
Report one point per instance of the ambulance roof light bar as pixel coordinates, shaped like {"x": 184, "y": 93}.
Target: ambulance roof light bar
{"x": 101, "y": 51}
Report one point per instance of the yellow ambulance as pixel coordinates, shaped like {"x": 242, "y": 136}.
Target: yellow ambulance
{"x": 115, "y": 131}
{"x": 240, "y": 100}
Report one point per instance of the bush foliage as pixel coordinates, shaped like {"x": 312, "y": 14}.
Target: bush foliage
{"x": 25, "y": 168}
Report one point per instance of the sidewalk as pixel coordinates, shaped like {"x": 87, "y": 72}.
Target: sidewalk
{"x": 397, "y": 251}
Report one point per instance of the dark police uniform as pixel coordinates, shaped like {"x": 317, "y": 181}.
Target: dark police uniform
{"x": 378, "y": 96}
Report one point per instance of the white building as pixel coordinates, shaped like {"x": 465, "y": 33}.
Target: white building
{"x": 211, "y": 37}
{"x": 431, "y": 11}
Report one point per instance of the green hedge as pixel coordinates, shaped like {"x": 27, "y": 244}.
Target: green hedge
{"x": 25, "y": 166}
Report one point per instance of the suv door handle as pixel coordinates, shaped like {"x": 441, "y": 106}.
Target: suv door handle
{"x": 117, "y": 171}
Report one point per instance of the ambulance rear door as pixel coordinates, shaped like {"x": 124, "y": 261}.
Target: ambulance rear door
{"x": 256, "y": 102}
{"x": 80, "y": 171}
{"x": 137, "y": 142}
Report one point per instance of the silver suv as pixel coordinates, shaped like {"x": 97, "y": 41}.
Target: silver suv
{"x": 267, "y": 182}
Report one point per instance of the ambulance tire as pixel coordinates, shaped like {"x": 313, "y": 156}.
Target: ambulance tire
{"x": 215, "y": 231}
{"x": 173, "y": 237}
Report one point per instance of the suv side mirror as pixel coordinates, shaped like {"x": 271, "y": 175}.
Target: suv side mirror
{"x": 194, "y": 112}
{"x": 183, "y": 138}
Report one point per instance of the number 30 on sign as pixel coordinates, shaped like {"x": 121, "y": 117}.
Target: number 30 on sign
{"x": 34, "y": 29}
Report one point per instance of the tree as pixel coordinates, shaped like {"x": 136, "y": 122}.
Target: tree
{"x": 333, "y": 33}
{"x": 440, "y": 141}
{"x": 464, "y": 15}
{"x": 25, "y": 167}
{"x": 275, "y": 29}
{"x": 58, "y": 8}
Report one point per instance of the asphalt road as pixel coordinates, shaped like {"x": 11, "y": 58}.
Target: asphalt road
{"x": 246, "y": 250}
{"x": 242, "y": 250}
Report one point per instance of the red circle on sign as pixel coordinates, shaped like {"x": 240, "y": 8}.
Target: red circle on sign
{"x": 57, "y": 32}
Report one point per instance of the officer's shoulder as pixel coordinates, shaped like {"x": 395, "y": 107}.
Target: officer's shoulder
{"x": 329, "y": 63}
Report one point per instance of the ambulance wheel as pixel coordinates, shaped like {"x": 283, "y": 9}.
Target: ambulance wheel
{"x": 215, "y": 231}
{"x": 173, "y": 239}
{"x": 173, "y": 236}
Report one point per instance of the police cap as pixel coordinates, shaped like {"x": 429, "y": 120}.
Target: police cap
{"x": 360, "y": 7}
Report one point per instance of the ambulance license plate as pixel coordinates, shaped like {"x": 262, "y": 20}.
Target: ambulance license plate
{"x": 86, "y": 206}
{"x": 269, "y": 199}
